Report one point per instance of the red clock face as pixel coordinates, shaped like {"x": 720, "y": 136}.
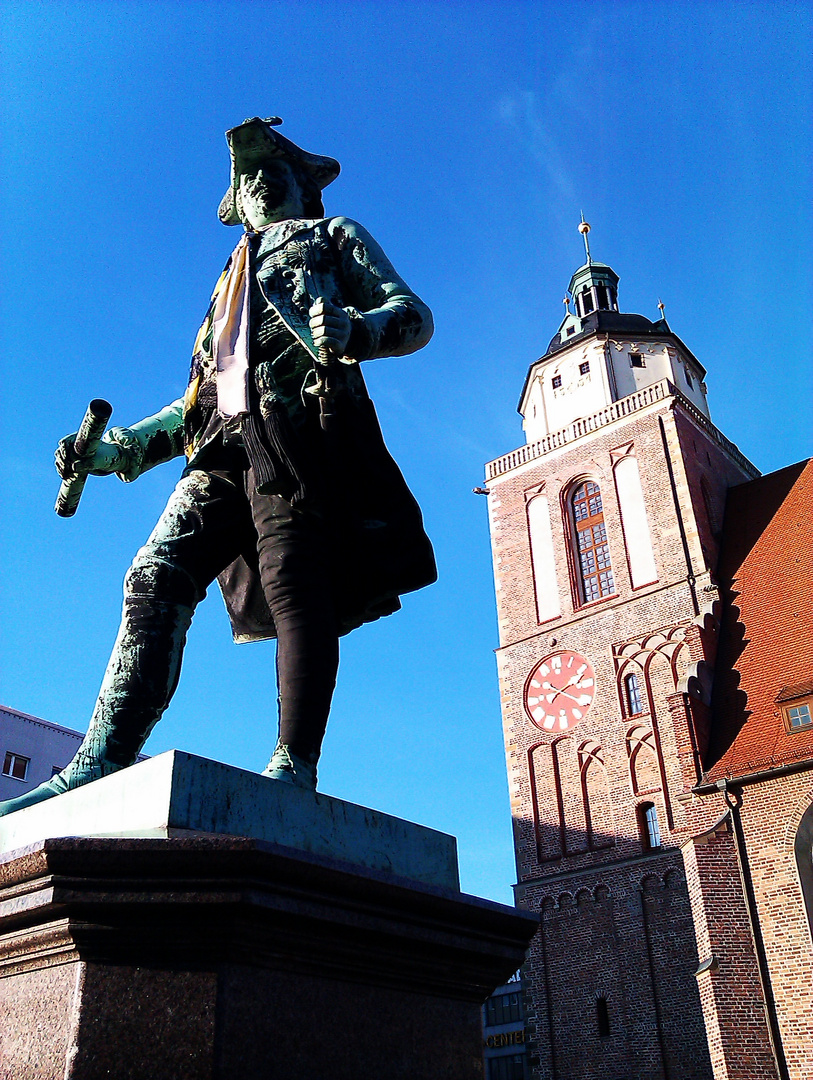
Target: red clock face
{"x": 559, "y": 691}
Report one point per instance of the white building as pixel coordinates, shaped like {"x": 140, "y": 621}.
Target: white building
{"x": 31, "y": 751}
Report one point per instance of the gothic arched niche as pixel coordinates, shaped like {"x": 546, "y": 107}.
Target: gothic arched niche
{"x": 543, "y": 560}
{"x": 598, "y": 807}
{"x": 547, "y": 822}
{"x": 571, "y": 798}
{"x": 643, "y": 760}
{"x": 637, "y": 537}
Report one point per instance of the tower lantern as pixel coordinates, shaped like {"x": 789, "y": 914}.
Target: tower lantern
{"x": 594, "y": 286}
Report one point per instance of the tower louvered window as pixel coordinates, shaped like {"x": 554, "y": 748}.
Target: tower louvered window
{"x": 593, "y": 552}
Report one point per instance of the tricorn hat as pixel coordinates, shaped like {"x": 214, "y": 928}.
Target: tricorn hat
{"x": 256, "y": 140}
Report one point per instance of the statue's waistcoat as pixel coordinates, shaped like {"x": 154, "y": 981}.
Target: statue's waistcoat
{"x": 381, "y": 548}
{"x": 294, "y": 264}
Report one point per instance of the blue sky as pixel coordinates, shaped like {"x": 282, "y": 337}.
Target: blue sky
{"x": 471, "y": 137}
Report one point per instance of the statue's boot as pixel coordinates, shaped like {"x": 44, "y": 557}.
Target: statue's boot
{"x": 140, "y": 679}
{"x": 289, "y": 768}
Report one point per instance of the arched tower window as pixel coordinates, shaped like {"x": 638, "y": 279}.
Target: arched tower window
{"x": 633, "y": 695}
{"x": 593, "y": 553}
{"x": 650, "y": 827}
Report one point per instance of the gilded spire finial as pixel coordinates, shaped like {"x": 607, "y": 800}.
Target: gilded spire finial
{"x": 661, "y": 308}
{"x": 584, "y": 229}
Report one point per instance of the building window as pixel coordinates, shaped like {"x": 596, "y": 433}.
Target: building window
{"x": 587, "y": 301}
{"x": 16, "y": 766}
{"x": 584, "y": 368}
{"x": 506, "y": 1068}
{"x": 503, "y": 1009}
{"x": 601, "y": 296}
{"x": 798, "y": 716}
{"x": 650, "y": 828}
{"x": 595, "y": 571}
{"x": 603, "y": 1018}
{"x": 632, "y": 692}
{"x": 636, "y": 360}
{"x": 556, "y": 382}
{"x": 688, "y": 375}
{"x": 571, "y": 330}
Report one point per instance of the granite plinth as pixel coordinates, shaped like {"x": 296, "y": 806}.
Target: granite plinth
{"x": 176, "y": 793}
{"x": 218, "y": 957}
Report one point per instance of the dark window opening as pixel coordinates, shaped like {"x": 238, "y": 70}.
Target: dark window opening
{"x": 636, "y": 360}
{"x": 688, "y": 375}
{"x": 556, "y": 382}
{"x": 601, "y": 294}
{"x": 587, "y": 301}
{"x": 503, "y": 1009}
{"x": 635, "y": 701}
{"x": 650, "y": 828}
{"x": 603, "y": 1018}
{"x": 506, "y": 1068}
{"x": 571, "y": 330}
{"x": 16, "y": 765}
{"x": 584, "y": 368}
{"x": 593, "y": 551}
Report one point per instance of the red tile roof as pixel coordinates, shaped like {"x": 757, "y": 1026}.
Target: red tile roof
{"x": 766, "y": 640}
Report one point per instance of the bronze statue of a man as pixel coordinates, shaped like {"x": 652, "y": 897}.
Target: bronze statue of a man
{"x": 289, "y": 496}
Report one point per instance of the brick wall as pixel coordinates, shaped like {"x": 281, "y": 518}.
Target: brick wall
{"x": 771, "y": 814}
{"x": 625, "y": 934}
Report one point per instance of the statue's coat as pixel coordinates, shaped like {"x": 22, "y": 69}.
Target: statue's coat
{"x": 380, "y": 549}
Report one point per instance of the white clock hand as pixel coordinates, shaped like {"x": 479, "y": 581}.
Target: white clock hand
{"x": 584, "y": 700}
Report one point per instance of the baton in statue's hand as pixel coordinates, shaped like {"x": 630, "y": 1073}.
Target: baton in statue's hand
{"x": 85, "y": 446}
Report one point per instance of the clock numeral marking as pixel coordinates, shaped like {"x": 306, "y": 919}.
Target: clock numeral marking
{"x": 584, "y": 699}
{"x": 537, "y": 713}
{"x": 570, "y": 660}
{"x": 549, "y": 722}
{"x": 584, "y": 684}
{"x": 549, "y": 698}
{"x": 578, "y": 714}
{"x": 535, "y": 683}
{"x": 556, "y": 663}
{"x": 544, "y": 669}
{"x": 533, "y": 700}
{"x": 563, "y": 723}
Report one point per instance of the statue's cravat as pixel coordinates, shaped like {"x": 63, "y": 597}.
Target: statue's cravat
{"x": 230, "y": 334}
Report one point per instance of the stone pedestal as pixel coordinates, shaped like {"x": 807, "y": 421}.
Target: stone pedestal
{"x": 190, "y": 953}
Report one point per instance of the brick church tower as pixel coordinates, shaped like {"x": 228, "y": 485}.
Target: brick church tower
{"x": 605, "y": 529}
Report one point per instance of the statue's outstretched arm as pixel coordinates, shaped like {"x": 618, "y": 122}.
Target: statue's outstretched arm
{"x": 128, "y": 451}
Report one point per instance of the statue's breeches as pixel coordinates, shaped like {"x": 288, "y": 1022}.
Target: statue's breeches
{"x": 211, "y": 519}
